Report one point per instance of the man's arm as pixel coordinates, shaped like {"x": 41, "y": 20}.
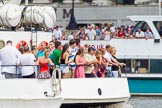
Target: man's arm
{"x": 60, "y": 34}
{"x": 95, "y": 35}
{"x": 53, "y": 35}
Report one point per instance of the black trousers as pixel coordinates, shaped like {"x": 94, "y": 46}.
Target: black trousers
{"x": 30, "y": 76}
{"x": 91, "y": 75}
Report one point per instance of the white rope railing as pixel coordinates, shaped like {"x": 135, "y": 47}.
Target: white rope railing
{"x": 56, "y": 83}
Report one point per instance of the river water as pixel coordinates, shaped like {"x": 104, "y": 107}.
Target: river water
{"x": 145, "y": 102}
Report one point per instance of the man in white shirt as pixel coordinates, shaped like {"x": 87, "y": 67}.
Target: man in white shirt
{"x": 57, "y": 34}
{"x": 71, "y": 36}
{"x": 91, "y": 34}
{"x": 148, "y": 34}
{"x": 27, "y": 61}
{"x": 10, "y": 58}
{"x": 111, "y": 61}
{"x": 112, "y": 28}
{"x": 140, "y": 34}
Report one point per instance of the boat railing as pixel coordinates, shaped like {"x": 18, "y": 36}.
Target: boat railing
{"x": 55, "y": 78}
{"x": 53, "y": 70}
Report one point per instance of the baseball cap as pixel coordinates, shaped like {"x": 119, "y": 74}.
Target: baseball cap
{"x": 91, "y": 49}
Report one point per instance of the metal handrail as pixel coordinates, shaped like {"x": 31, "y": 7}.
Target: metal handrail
{"x": 56, "y": 68}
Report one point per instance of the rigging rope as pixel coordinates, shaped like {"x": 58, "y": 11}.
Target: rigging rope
{"x": 56, "y": 83}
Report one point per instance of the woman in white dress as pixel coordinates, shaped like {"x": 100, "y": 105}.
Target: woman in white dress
{"x": 107, "y": 34}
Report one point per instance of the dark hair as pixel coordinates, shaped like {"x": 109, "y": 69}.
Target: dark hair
{"x": 26, "y": 49}
{"x": 107, "y": 28}
{"x": 91, "y": 49}
{"x": 77, "y": 41}
{"x": 80, "y": 51}
{"x": 21, "y": 50}
{"x": 52, "y": 41}
{"x": 72, "y": 42}
{"x": 108, "y": 46}
{"x": 64, "y": 49}
{"x": 57, "y": 44}
{"x": 9, "y": 41}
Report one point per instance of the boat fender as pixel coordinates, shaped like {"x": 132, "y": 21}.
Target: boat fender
{"x": 8, "y": 18}
{"x": 49, "y": 17}
{"x": 2, "y": 44}
{"x": 99, "y": 91}
{"x": 23, "y": 9}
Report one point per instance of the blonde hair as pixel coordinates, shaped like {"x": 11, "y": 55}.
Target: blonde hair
{"x": 47, "y": 54}
{"x": 102, "y": 51}
{"x": 98, "y": 53}
{"x": 113, "y": 51}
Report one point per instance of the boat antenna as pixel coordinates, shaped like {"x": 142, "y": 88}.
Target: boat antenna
{"x": 2, "y": 1}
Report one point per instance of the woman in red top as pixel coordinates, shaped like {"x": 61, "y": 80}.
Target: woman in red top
{"x": 121, "y": 33}
{"x": 43, "y": 63}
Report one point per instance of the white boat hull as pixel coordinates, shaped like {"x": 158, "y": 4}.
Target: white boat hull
{"x": 95, "y": 90}
{"x": 31, "y": 103}
{"x": 27, "y": 93}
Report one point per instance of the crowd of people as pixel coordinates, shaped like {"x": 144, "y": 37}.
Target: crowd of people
{"x": 74, "y": 61}
{"x": 102, "y": 32}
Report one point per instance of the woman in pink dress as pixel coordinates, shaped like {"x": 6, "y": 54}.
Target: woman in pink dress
{"x": 80, "y": 62}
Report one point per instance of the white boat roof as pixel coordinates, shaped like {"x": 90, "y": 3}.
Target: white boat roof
{"x": 145, "y": 18}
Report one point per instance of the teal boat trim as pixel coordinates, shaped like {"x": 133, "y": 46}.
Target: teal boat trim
{"x": 145, "y": 86}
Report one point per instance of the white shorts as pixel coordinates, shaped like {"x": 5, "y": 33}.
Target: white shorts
{"x": 64, "y": 69}
{"x": 115, "y": 74}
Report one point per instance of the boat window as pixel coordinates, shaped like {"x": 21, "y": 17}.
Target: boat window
{"x": 140, "y": 65}
{"x": 135, "y": 66}
{"x": 158, "y": 25}
{"x": 142, "y": 25}
{"x": 127, "y": 68}
{"x": 155, "y": 66}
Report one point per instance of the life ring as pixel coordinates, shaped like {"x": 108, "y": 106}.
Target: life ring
{"x": 2, "y": 44}
{"x": 40, "y": 47}
{"x": 21, "y": 44}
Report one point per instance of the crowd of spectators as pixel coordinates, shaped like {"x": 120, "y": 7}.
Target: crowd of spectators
{"x": 102, "y": 32}
{"x": 74, "y": 60}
